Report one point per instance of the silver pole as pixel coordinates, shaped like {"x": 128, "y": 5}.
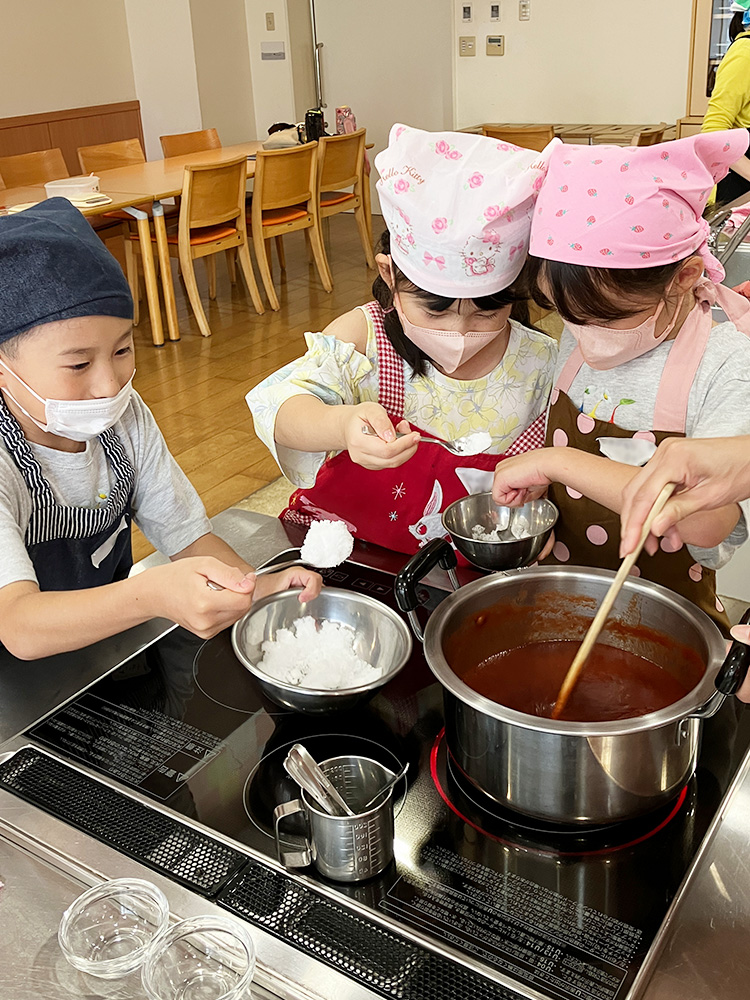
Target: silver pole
{"x": 317, "y": 46}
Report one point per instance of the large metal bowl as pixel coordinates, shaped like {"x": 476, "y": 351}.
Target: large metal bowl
{"x": 524, "y": 535}
{"x": 382, "y": 638}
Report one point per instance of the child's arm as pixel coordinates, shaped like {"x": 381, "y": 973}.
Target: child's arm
{"x": 306, "y": 423}
{"x": 602, "y": 480}
{"x": 36, "y": 623}
{"x": 312, "y": 406}
{"x": 298, "y": 576}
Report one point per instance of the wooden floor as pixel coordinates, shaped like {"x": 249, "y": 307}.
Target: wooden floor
{"x": 196, "y": 387}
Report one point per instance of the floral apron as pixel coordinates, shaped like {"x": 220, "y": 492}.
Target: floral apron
{"x": 401, "y": 508}
{"x": 588, "y": 534}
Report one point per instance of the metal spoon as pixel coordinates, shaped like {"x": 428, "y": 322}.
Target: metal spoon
{"x": 297, "y": 772}
{"x": 471, "y": 444}
{"x": 306, "y": 764}
{"x": 273, "y": 568}
{"x": 386, "y": 787}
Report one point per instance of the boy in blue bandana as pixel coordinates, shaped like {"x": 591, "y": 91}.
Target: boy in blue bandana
{"x": 81, "y": 457}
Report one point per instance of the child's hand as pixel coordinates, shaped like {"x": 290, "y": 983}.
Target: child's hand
{"x": 384, "y": 451}
{"x": 179, "y": 591}
{"x": 298, "y": 576}
{"x": 520, "y": 479}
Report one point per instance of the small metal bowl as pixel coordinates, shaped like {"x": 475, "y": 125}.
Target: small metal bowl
{"x": 524, "y": 535}
{"x": 382, "y": 638}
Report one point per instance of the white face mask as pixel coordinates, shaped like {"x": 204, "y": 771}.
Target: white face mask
{"x": 76, "y": 419}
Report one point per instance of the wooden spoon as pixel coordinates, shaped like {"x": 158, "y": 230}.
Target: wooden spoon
{"x": 589, "y": 640}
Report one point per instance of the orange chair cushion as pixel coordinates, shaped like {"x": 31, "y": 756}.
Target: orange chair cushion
{"x": 275, "y": 216}
{"x": 335, "y": 197}
{"x": 206, "y": 234}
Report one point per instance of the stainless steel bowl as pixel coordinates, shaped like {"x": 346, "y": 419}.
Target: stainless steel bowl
{"x": 382, "y": 638}
{"x": 524, "y": 533}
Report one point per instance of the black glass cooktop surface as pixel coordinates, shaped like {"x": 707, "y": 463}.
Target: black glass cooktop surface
{"x": 566, "y": 912}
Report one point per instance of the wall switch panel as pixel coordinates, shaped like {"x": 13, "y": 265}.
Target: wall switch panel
{"x": 524, "y": 10}
{"x": 270, "y": 21}
{"x": 495, "y": 45}
{"x": 494, "y": 12}
{"x": 467, "y": 13}
{"x": 467, "y": 45}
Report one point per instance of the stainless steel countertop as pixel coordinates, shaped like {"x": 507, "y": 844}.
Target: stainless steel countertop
{"x": 704, "y": 953}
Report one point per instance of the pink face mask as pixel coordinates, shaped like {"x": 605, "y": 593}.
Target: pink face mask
{"x": 604, "y": 348}
{"x": 449, "y": 349}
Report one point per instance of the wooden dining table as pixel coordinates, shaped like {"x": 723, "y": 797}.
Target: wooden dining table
{"x": 120, "y": 199}
{"x": 162, "y": 179}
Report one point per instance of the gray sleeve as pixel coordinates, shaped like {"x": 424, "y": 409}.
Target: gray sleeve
{"x": 725, "y": 412}
{"x": 166, "y": 506}
{"x": 15, "y": 509}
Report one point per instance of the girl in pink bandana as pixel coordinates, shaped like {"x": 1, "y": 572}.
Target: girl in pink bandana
{"x": 436, "y": 352}
{"x": 621, "y": 253}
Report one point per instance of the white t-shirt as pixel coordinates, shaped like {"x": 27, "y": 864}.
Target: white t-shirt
{"x": 165, "y": 505}
{"x": 718, "y": 404}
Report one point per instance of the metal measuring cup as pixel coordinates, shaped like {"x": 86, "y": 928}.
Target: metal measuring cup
{"x": 344, "y": 848}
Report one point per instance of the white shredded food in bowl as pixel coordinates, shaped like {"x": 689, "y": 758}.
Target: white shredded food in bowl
{"x": 317, "y": 654}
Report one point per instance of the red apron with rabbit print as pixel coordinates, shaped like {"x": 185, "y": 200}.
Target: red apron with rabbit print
{"x": 401, "y": 508}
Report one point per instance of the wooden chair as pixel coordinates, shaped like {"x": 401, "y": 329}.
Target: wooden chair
{"x": 285, "y": 199}
{"x": 110, "y": 155}
{"x": 646, "y": 137}
{"x": 212, "y": 220}
{"x": 528, "y": 136}
{"x": 183, "y": 143}
{"x": 341, "y": 164}
{"x": 33, "y": 169}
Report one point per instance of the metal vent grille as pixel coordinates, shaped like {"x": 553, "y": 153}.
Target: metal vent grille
{"x": 160, "y": 842}
{"x": 377, "y": 958}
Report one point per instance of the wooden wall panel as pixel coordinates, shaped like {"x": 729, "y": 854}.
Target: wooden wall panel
{"x": 90, "y": 131}
{"x": 70, "y": 129}
{"x": 24, "y": 138}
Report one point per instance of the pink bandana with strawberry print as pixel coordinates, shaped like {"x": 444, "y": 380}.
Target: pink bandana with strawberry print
{"x": 633, "y": 206}
{"x": 458, "y": 208}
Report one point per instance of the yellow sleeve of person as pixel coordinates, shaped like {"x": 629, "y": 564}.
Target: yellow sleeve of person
{"x": 729, "y": 106}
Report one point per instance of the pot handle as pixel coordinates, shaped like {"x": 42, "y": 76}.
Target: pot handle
{"x": 291, "y": 859}
{"x": 734, "y": 668}
{"x": 438, "y": 552}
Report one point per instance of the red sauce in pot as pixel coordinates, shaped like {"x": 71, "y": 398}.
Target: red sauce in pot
{"x": 614, "y": 684}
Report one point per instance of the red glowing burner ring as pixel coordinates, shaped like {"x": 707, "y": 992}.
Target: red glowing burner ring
{"x": 501, "y": 840}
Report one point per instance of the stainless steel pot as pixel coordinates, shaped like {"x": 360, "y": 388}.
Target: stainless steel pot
{"x": 573, "y": 772}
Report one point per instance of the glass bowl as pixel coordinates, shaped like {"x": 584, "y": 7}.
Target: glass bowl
{"x": 107, "y": 931}
{"x": 201, "y": 958}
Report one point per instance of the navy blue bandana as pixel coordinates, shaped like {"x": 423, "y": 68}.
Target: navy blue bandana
{"x": 53, "y": 266}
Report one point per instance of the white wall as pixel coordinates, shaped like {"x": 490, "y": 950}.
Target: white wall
{"x": 576, "y": 61}
{"x": 390, "y": 62}
{"x": 222, "y": 59}
{"x": 273, "y": 88}
{"x": 58, "y": 55}
{"x": 166, "y": 83}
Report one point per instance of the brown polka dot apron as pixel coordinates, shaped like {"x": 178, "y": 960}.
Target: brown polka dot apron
{"x": 587, "y": 533}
